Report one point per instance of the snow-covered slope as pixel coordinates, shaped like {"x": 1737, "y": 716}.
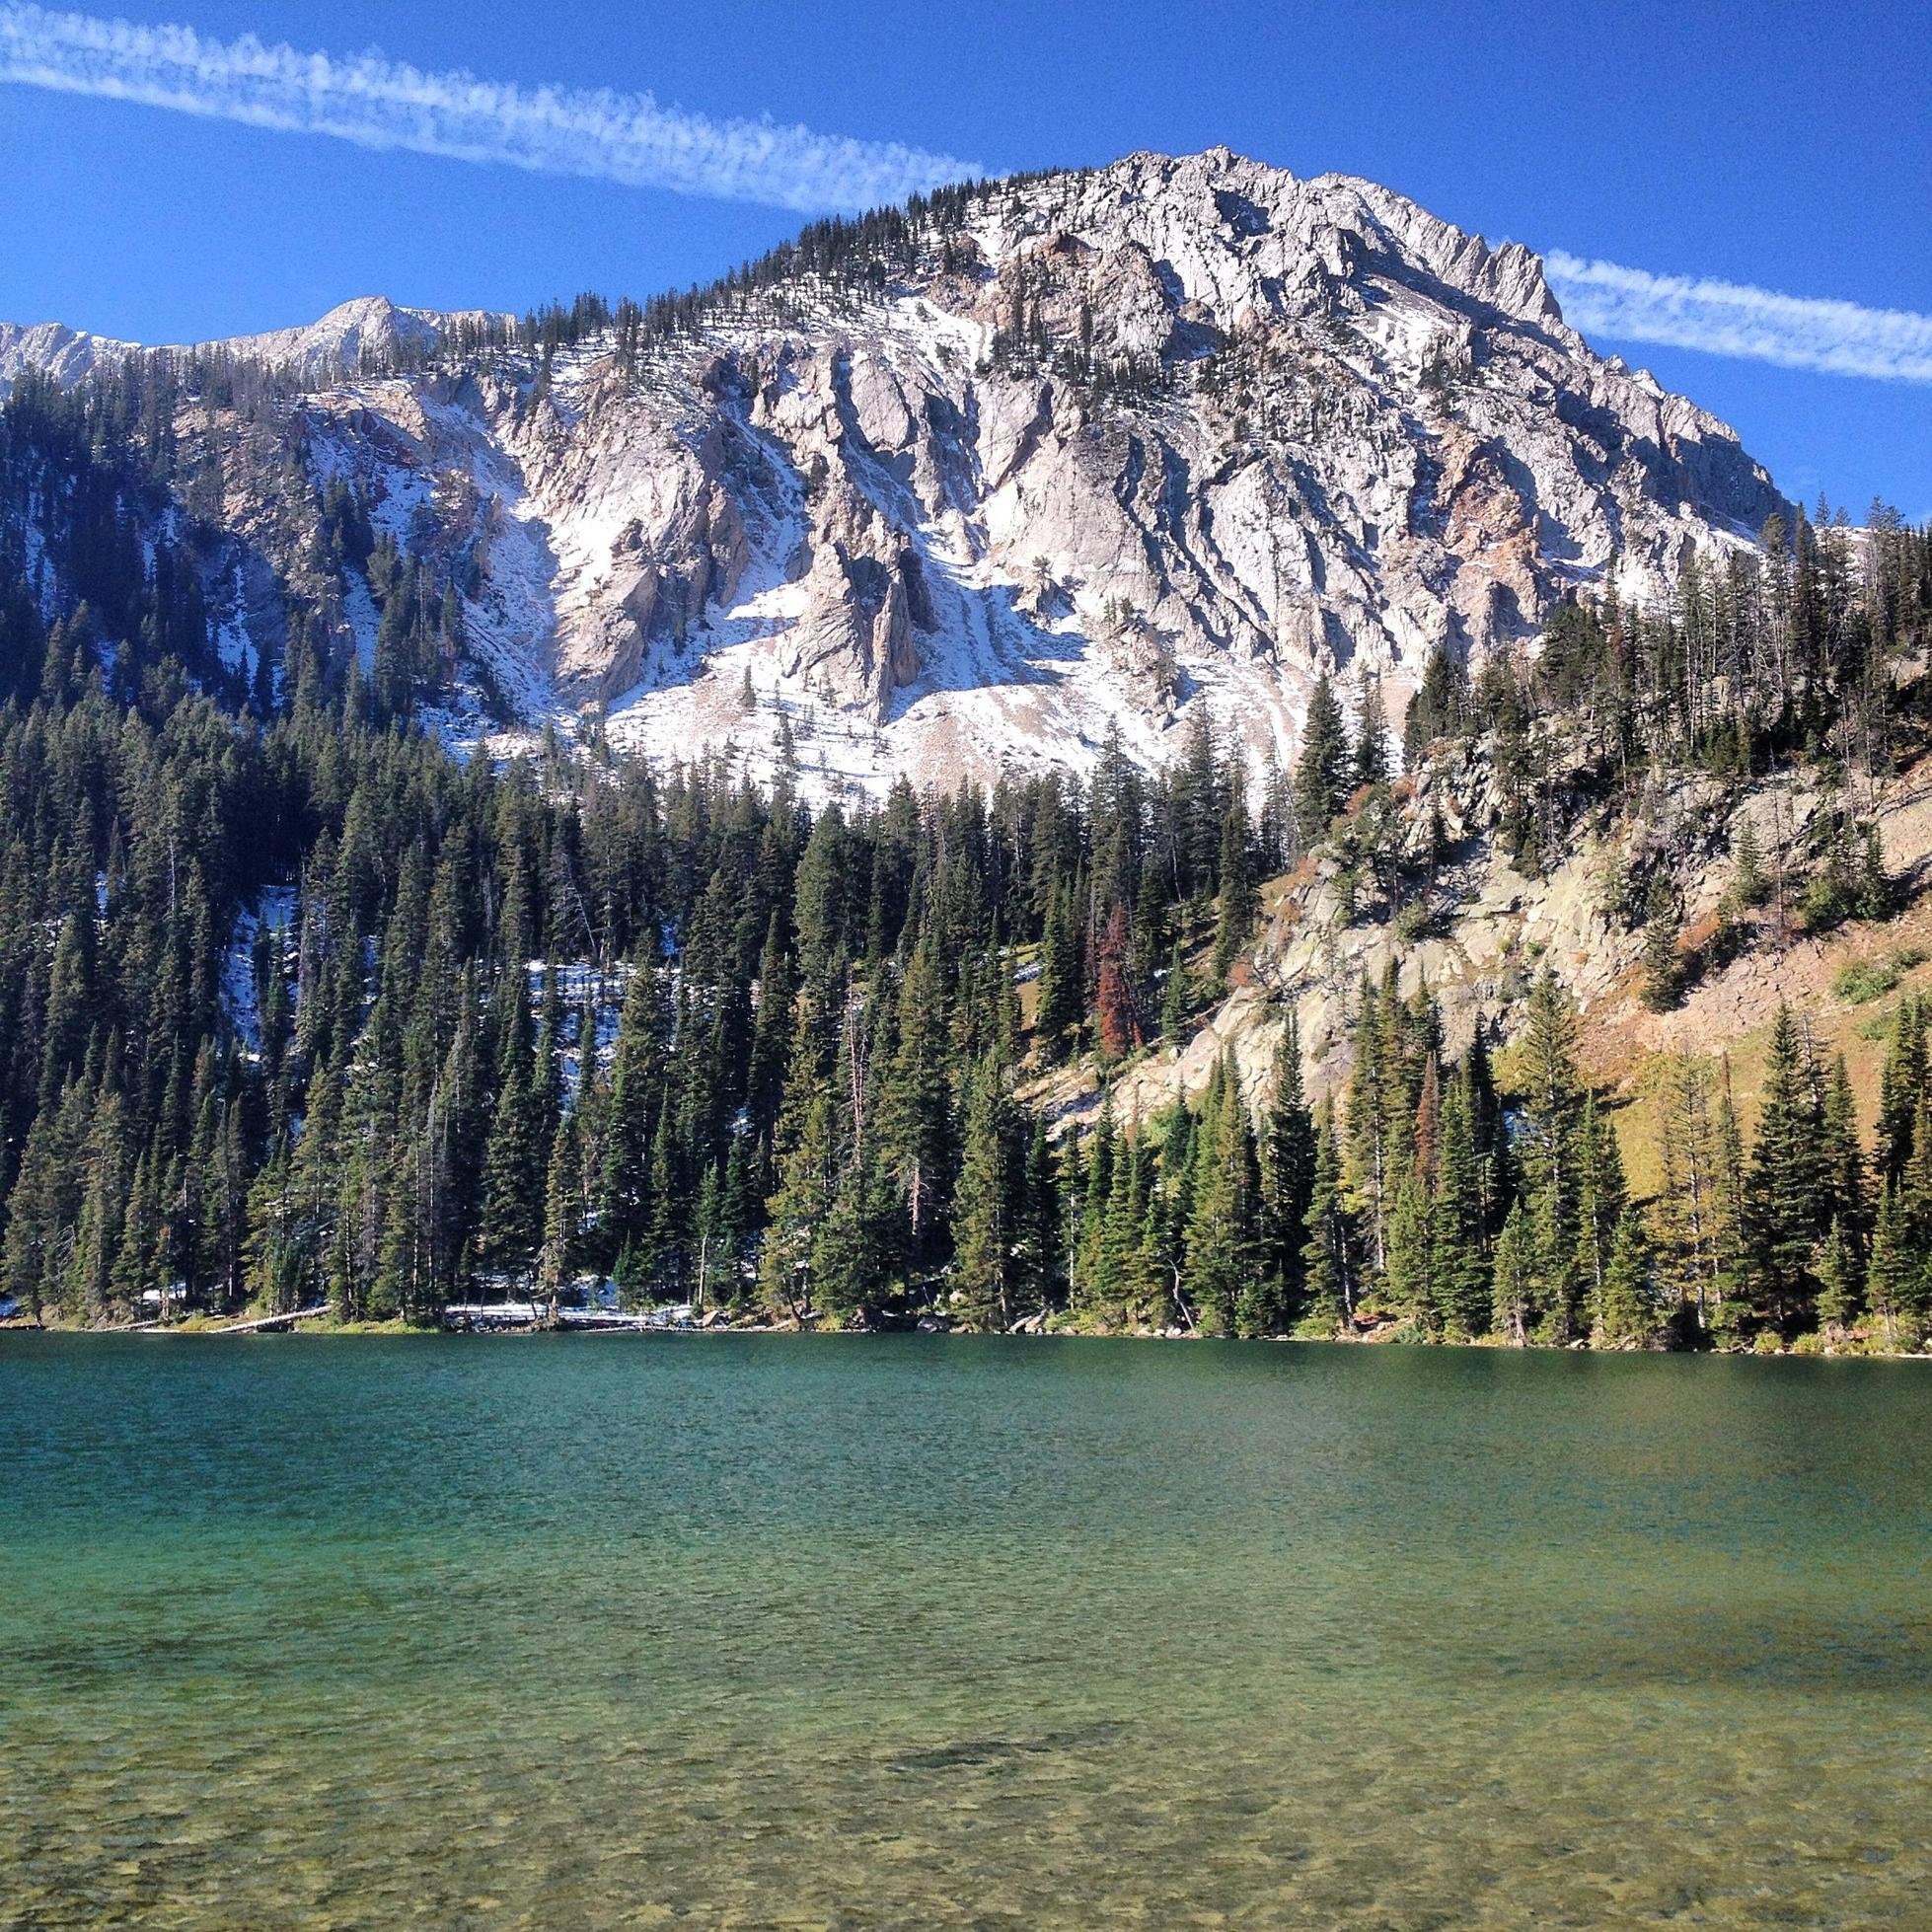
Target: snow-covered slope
{"x": 1171, "y": 433}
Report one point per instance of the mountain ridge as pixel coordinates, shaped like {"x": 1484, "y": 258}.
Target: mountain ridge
{"x": 364, "y": 326}
{"x": 1092, "y": 449}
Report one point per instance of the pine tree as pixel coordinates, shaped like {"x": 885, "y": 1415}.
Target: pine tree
{"x": 1462, "y": 1283}
{"x": 1553, "y": 1110}
{"x": 1689, "y": 1206}
{"x": 1838, "y": 1284}
{"x": 1176, "y": 1000}
{"x": 848, "y": 1247}
{"x": 1221, "y": 1260}
{"x": 1372, "y": 1159}
{"x": 986, "y": 1216}
{"x": 1729, "y": 1316}
{"x": 1062, "y": 993}
{"x": 1041, "y": 1279}
{"x": 1748, "y": 882}
{"x": 1371, "y": 759}
{"x": 1901, "y": 1085}
{"x": 1787, "y": 1177}
{"x": 1601, "y": 1200}
{"x": 1626, "y": 1303}
{"x": 562, "y": 1221}
{"x": 1896, "y": 1269}
{"x": 915, "y": 1126}
{"x": 1846, "y": 1190}
{"x": 1323, "y": 771}
{"x": 794, "y": 1214}
{"x": 1330, "y": 1258}
{"x": 1662, "y": 969}
{"x": 1095, "y": 1281}
{"x": 636, "y": 1096}
{"x": 1287, "y": 1168}
{"x": 1241, "y": 904}
{"x": 1120, "y": 1286}
{"x": 1410, "y": 1287}
{"x": 1514, "y": 1307}
{"x": 513, "y": 1162}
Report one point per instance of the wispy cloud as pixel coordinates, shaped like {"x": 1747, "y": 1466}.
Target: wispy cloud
{"x": 384, "y": 104}
{"x": 1601, "y": 298}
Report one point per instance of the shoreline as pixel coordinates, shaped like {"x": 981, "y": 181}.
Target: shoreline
{"x": 364, "y": 1330}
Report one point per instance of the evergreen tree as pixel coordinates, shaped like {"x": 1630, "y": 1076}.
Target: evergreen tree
{"x": 986, "y": 1216}
{"x": 1626, "y": 1306}
{"x": 1221, "y": 1265}
{"x": 1515, "y": 1279}
{"x": 1287, "y": 1168}
{"x": 1062, "y": 993}
{"x": 514, "y": 1161}
{"x": 1894, "y": 1277}
{"x": 1330, "y": 1257}
{"x": 1410, "y": 1287}
{"x": 1176, "y": 1000}
{"x": 1901, "y": 1085}
{"x": 1600, "y": 1201}
{"x": 1663, "y": 970}
{"x": 1788, "y": 1178}
{"x": 806, "y": 1184}
{"x": 1748, "y": 883}
{"x": 1552, "y": 1114}
{"x": 1322, "y": 772}
{"x": 1846, "y": 1191}
{"x": 1461, "y": 1274}
{"x": 1239, "y": 902}
{"x": 1838, "y": 1284}
{"x": 1371, "y": 759}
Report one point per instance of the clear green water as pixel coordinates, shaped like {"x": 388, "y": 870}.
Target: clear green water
{"x": 917, "y": 1631}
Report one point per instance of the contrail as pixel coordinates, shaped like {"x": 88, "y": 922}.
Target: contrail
{"x": 384, "y": 104}
{"x": 1841, "y": 339}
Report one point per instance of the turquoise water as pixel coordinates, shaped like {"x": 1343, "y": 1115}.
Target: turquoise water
{"x": 929, "y": 1631}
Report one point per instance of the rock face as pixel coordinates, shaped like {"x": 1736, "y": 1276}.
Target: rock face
{"x": 1170, "y": 433}
{"x": 66, "y": 354}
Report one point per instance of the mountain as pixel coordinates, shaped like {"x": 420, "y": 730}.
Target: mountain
{"x": 1601, "y": 1016}
{"x": 965, "y": 489}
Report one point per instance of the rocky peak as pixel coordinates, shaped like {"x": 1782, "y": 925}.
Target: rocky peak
{"x": 63, "y": 353}
{"x": 1242, "y": 239}
{"x": 1080, "y": 454}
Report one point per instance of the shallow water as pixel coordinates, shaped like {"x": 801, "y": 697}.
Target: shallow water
{"x": 928, "y": 1631}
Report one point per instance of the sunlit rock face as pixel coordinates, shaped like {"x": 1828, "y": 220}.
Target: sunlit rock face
{"x": 1171, "y": 434}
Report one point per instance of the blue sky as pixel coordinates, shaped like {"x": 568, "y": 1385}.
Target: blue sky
{"x": 1781, "y": 146}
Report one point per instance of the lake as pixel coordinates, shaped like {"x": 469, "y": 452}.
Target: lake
{"x": 925, "y": 1631}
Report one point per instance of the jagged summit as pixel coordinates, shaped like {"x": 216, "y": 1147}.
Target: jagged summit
{"x": 66, "y": 354}
{"x": 1271, "y": 235}
{"x": 1045, "y": 457}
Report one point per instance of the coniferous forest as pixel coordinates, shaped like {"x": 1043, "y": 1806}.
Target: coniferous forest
{"x": 300, "y": 1007}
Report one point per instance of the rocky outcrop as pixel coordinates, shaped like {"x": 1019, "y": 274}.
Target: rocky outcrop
{"x": 1490, "y": 928}
{"x": 66, "y": 354}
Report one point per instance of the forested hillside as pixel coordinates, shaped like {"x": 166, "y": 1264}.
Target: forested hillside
{"x": 300, "y": 1006}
